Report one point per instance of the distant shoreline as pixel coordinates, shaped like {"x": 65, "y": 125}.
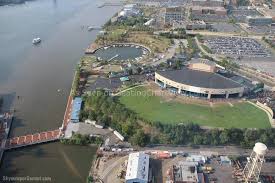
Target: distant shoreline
{"x": 10, "y": 2}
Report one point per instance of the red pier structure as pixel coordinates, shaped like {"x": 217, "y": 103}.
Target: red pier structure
{"x": 41, "y": 137}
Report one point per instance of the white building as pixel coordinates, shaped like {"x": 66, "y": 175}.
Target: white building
{"x": 196, "y": 158}
{"x": 137, "y": 168}
{"x": 129, "y": 10}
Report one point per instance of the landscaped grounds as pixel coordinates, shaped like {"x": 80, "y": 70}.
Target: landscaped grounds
{"x": 156, "y": 109}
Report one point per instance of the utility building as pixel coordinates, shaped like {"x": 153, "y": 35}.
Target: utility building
{"x": 77, "y": 103}
{"x": 137, "y": 168}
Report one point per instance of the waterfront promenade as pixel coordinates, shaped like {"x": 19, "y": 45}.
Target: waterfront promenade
{"x": 32, "y": 139}
{"x": 5, "y": 126}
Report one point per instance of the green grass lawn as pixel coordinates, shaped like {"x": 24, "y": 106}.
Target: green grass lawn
{"x": 153, "y": 108}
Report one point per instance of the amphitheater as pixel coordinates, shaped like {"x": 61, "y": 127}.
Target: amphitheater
{"x": 199, "y": 79}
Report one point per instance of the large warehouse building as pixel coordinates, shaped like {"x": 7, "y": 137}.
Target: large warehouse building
{"x": 199, "y": 79}
{"x": 137, "y": 168}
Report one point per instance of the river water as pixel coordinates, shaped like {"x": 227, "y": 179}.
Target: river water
{"x": 35, "y": 73}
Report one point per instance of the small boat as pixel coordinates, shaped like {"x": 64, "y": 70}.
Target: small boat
{"x": 36, "y": 41}
{"x": 90, "y": 28}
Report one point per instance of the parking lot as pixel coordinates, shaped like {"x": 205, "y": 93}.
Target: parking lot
{"x": 265, "y": 65}
{"x": 262, "y": 29}
{"x": 210, "y": 18}
{"x": 225, "y": 27}
{"x": 237, "y": 47}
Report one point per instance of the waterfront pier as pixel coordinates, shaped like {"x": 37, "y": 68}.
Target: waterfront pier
{"x": 40, "y": 137}
{"x": 32, "y": 139}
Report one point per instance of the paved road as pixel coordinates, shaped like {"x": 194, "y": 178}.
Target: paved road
{"x": 205, "y": 52}
{"x": 170, "y": 53}
{"x": 224, "y": 34}
{"x": 220, "y": 150}
{"x": 111, "y": 167}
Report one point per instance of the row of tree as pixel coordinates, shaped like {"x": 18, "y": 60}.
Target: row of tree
{"x": 192, "y": 134}
{"x": 79, "y": 139}
{"x": 270, "y": 42}
{"x": 107, "y": 110}
{"x": 75, "y": 84}
{"x": 192, "y": 48}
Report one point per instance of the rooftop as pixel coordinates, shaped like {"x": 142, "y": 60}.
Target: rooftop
{"x": 174, "y": 9}
{"x": 77, "y": 102}
{"x": 209, "y": 8}
{"x": 199, "y": 78}
{"x": 186, "y": 172}
{"x": 196, "y": 158}
{"x": 138, "y": 166}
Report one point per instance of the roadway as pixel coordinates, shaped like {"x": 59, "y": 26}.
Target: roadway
{"x": 218, "y": 150}
{"x": 169, "y": 54}
{"x": 222, "y": 34}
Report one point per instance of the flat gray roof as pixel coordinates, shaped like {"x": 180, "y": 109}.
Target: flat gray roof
{"x": 199, "y": 78}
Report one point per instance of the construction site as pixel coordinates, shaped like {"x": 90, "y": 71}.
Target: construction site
{"x": 156, "y": 166}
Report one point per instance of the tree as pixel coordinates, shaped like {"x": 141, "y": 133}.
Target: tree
{"x": 90, "y": 179}
{"x": 224, "y": 137}
{"x": 140, "y": 138}
{"x": 198, "y": 139}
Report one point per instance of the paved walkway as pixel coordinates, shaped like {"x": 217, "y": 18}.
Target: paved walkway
{"x": 127, "y": 89}
{"x": 169, "y": 54}
{"x": 223, "y": 34}
{"x": 271, "y": 120}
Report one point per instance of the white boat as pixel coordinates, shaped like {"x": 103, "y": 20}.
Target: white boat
{"x": 90, "y": 28}
{"x": 36, "y": 40}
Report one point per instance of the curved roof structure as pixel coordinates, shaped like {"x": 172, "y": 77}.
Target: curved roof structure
{"x": 199, "y": 79}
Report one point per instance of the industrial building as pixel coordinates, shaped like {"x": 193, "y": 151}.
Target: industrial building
{"x": 199, "y": 79}
{"x": 196, "y": 158}
{"x": 137, "y": 168}
{"x": 198, "y": 10}
{"x": 258, "y": 21}
{"x": 197, "y": 25}
{"x": 183, "y": 172}
{"x": 225, "y": 160}
{"x": 208, "y": 3}
{"x": 129, "y": 10}
{"x": 172, "y": 14}
{"x": 76, "y": 107}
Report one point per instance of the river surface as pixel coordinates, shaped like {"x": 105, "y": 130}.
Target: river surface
{"x": 35, "y": 73}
